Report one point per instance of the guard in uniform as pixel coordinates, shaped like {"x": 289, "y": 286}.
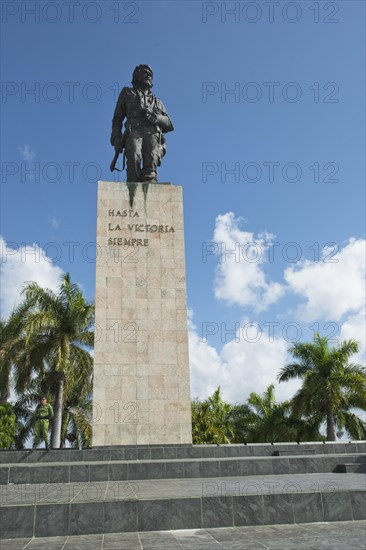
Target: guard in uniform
{"x": 146, "y": 123}
{"x": 43, "y": 414}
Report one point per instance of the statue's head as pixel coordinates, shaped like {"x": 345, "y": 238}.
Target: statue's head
{"x": 142, "y": 77}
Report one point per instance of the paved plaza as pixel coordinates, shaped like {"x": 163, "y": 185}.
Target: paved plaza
{"x": 348, "y": 535}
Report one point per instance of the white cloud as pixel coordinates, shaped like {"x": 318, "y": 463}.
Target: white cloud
{"x": 242, "y": 366}
{"x": 240, "y": 278}
{"x": 354, "y": 328}
{"x": 205, "y": 364}
{"x": 27, "y": 152}
{"x": 54, "y": 222}
{"x": 21, "y": 265}
{"x": 331, "y": 289}
{"x": 250, "y": 366}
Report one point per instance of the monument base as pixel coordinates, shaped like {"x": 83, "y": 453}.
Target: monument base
{"x": 141, "y": 373}
{"x": 152, "y": 488}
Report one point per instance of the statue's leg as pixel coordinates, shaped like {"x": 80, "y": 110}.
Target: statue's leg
{"x": 133, "y": 152}
{"x": 150, "y": 157}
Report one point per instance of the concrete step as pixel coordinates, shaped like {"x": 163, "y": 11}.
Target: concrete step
{"x": 82, "y": 471}
{"x": 352, "y": 467}
{"x": 291, "y": 452}
{"x": 46, "y": 510}
{"x": 160, "y": 452}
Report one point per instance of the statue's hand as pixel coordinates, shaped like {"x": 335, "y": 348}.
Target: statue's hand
{"x": 161, "y": 120}
{"x": 151, "y": 117}
{"x": 118, "y": 144}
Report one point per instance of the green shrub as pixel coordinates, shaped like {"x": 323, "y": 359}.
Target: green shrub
{"x": 7, "y": 426}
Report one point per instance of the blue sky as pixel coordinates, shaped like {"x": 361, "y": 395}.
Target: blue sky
{"x": 295, "y": 112}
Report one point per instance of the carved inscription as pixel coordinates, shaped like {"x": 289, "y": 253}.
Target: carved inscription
{"x": 123, "y": 213}
{"x": 128, "y": 242}
{"x": 118, "y": 225}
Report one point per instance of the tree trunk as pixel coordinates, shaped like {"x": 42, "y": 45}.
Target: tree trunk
{"x": 64, "y": 424}
{"x": 57, "y": 418}
{"x": 331, "y": 433}
{"x": 5, "y": 391}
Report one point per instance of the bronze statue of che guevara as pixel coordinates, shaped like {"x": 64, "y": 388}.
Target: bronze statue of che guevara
{"x": 147, "y": 121}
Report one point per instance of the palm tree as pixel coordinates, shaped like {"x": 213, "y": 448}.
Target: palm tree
{"x": 270, "y": 421}
{"x": 76, "y": 425}
{"x": 77, "y": 414}
{"x": 6, "y": 343}
{"x": 267, "y": 418}
{"x": 332, "y": 386}
{"x": 241, "y": 420}
{"x": 11, "y": 346}
{"x": 58, "y": 333}
{"x": 211, "y": 421}
{"x": 263, "y": 416}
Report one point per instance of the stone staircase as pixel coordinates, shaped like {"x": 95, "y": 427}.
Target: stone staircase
{"x": 152, "y": 488}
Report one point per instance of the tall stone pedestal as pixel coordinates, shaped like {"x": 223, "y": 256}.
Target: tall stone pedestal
{"x": 141, "y": 373}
